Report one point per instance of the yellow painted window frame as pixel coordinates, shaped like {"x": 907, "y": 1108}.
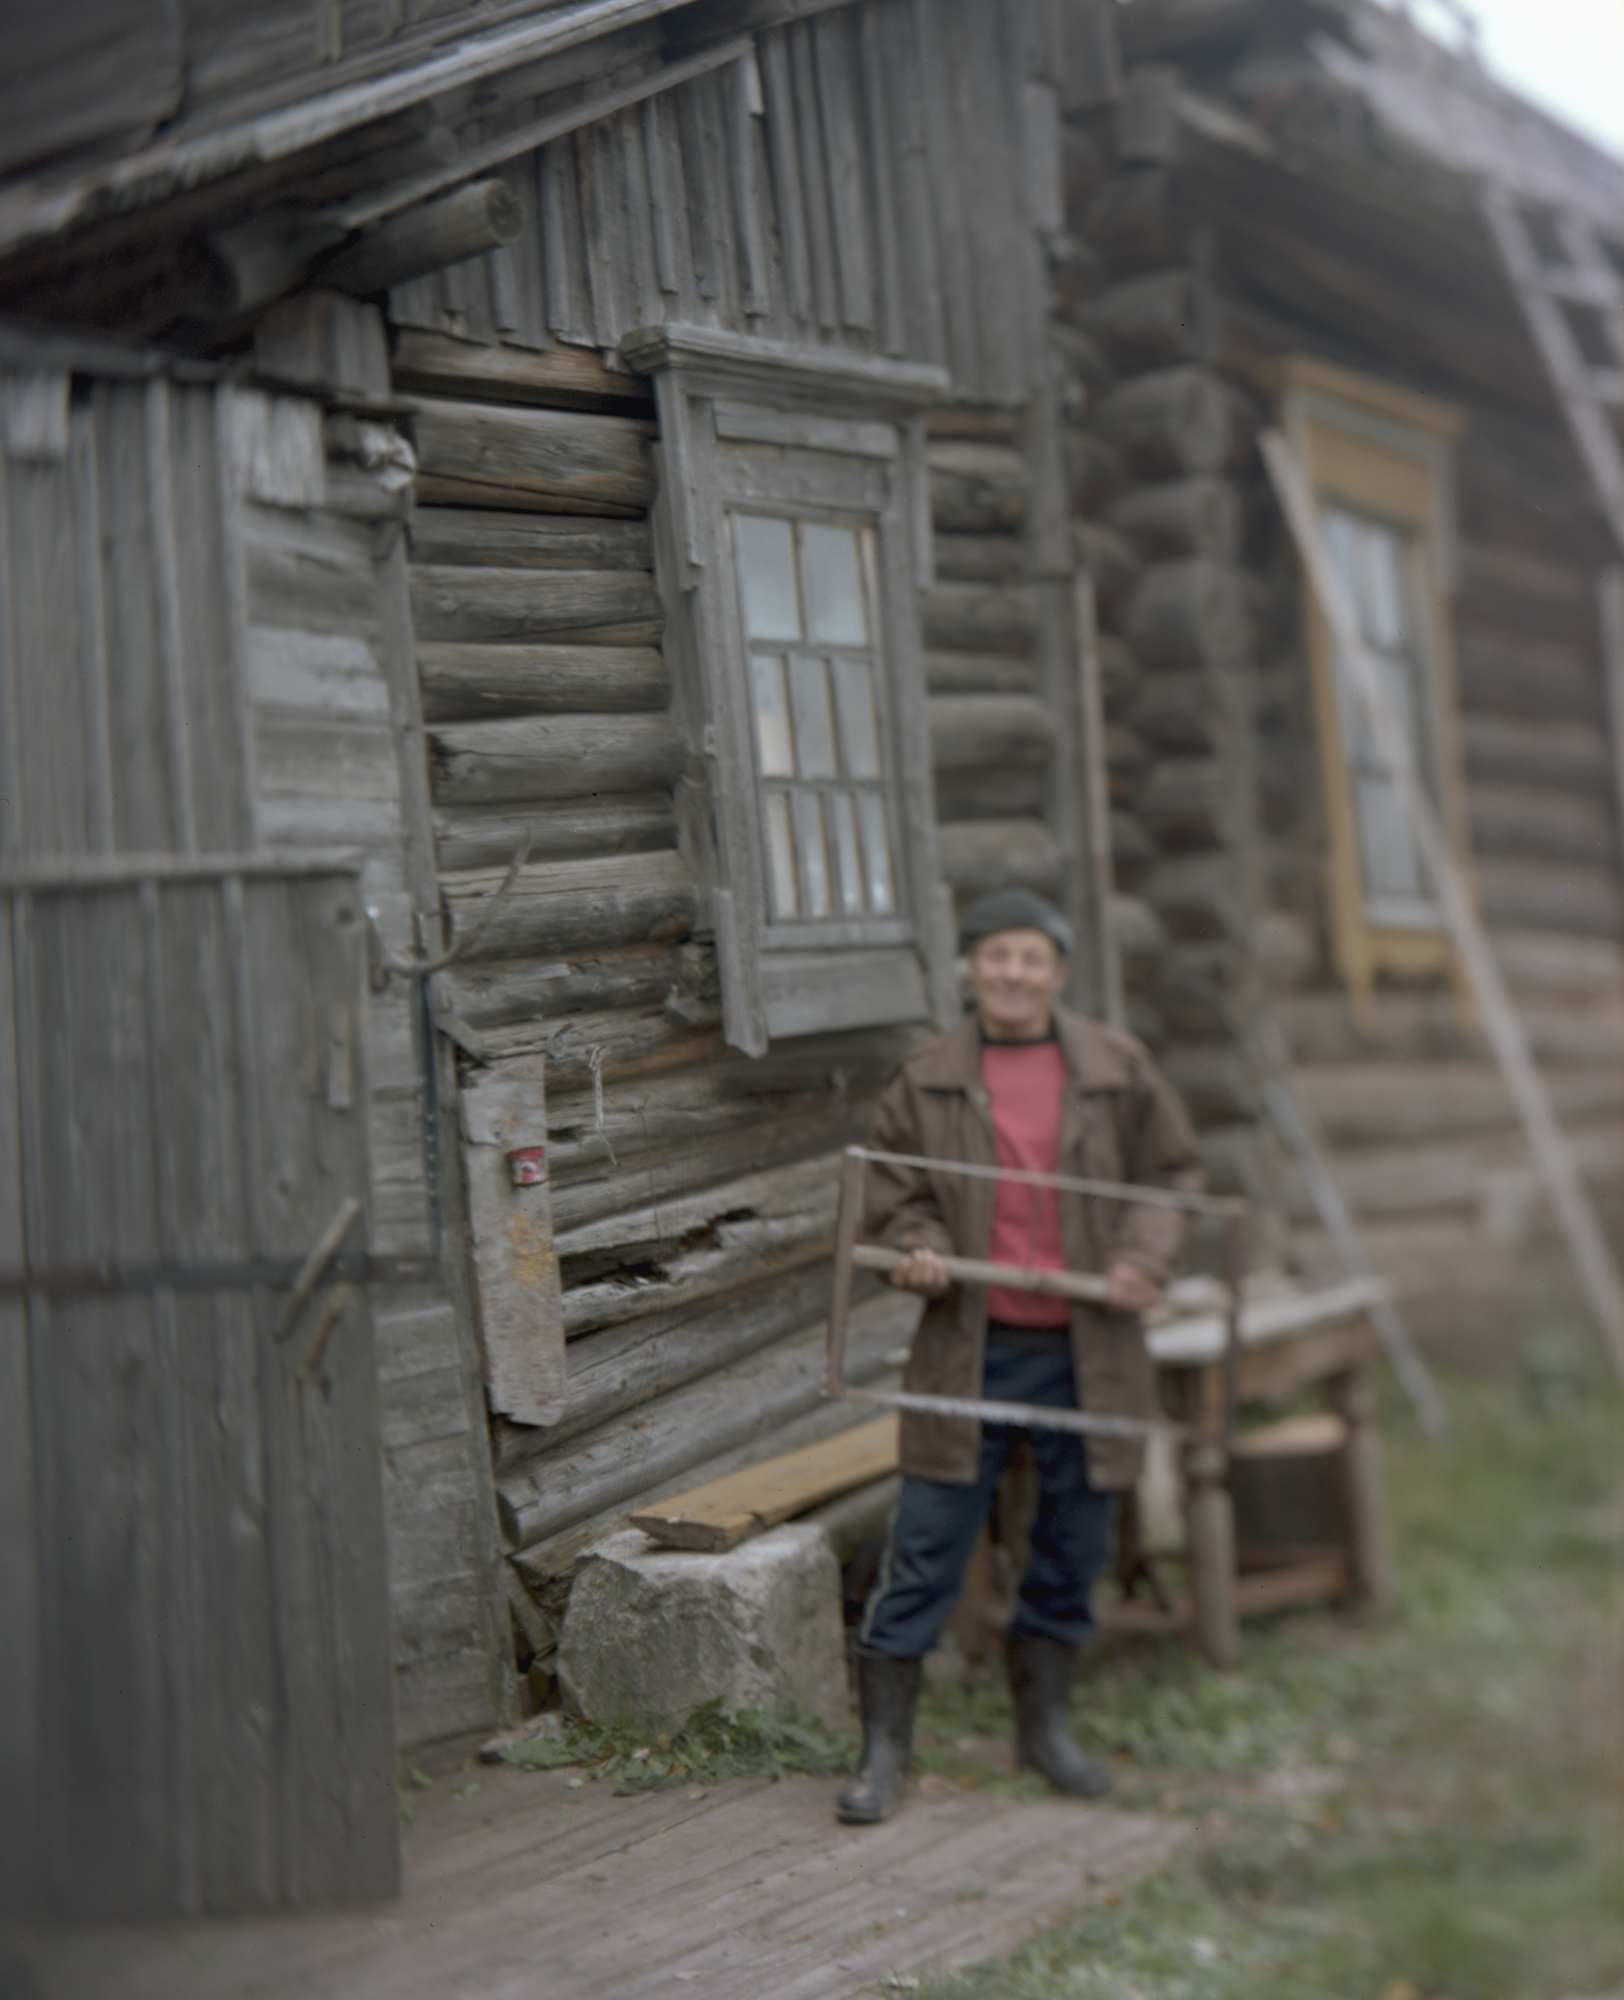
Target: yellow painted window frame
{"x": 1387, "y": 453}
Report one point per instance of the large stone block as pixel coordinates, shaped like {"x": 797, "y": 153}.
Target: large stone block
{"x": 652, "y": 1634}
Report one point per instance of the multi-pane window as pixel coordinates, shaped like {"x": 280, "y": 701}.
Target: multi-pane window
{"x": 808, "y": 611}
{"x": 1375, "y": 564}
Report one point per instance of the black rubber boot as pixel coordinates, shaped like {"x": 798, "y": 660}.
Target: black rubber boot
{"x": 1041, "y": 1672}
{"x": 888, "y": 1690}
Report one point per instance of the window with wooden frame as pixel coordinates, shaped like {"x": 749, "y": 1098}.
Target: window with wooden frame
{"x": 1379, "y": 461}
{"x": 792, "y": 530}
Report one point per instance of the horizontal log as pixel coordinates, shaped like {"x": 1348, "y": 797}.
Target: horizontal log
{"x": 730, "y": 1138}
{"x": 1119, "y": 675}
{"x": 977, "y": 488}
{"x": 462, "y": 682}
{"x": 475, "y": 218}
{"x": 1132, "y": 221}
{"x": 743, "y": 1404}
{"x": 1079, "y": 356}
{"x": 1380, "y": 1104}
{"x": 1507, "y": 672}
{"x": 980, "y": 673}
{"x": 1214, "y": 1080}
{"x": 489, "y": 836}
{"x": 697, "y": 1245}
{"x": 1008, "y": 791}
{"x": 1156, "y": 321}
{"x": 1206, "y": 992}
{"x": 1139, "y": 935}
{"x": 625, "y": 1367}
{"x": 1508, "y": 586}
{"x": 1550, "y": 896}
{"x": 1186, "y": 712}
{"x": 1112, "y": 564}
{"x": 519, "y": 606}
{"x": 1132, "y": 850}
{"x": 1095, "y": 471}
{"x": 552, "y": 757}
{"x": 575, "y": 905}
{"x": 975, "y": 731}
{"x": 971, "y": 618}
{"x": 1540, "y": 962}
{"x": 1181, "y": 517}
{"x": 1188, "y": 612}
{"x": 489, "y": 495}
{"x": 1588, "y": 1033}
{"x": 1170, "y": 423}
{"x": 580, "y": 463}
{"x": 978, "y": 558}
{"x": 979, "y": 856}
{"x": 1539, "y": 823}
{"x": 1477, "y": 1174}
{"x": 1199, "y": 896}
{"x": 552, "y": 988}
{"x": 562, "y": 377}
{"x": 624, "y": 1042}
{"x": 488, "y": 539}
{"x": 1565, "y": 755}
{"x": 1126, "y": 762}
{"x": 1192, "y": 802}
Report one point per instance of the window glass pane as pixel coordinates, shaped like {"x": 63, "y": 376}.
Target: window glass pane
{"x": 859, "y": 727}
{"x": 1384, "y": 587}
{"x": 814, "y": 719}
{"x": 848, "y": 861}
{"x": 765, "y": 553}
{"x": 876, "y": 854}
{"x": 814, "y": 856}
{"x": 835, "y": 613}
{"x": 774, "y": 745}
{"x": 786, "y": 901}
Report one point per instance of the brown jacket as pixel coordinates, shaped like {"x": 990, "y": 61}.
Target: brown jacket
{"x": 1120, "y": 1122}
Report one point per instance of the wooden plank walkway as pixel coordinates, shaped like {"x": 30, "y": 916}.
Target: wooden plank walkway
{"x": 528, "y": 1888}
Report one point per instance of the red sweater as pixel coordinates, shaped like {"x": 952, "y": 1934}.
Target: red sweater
{"x": 1025, "y": 1082}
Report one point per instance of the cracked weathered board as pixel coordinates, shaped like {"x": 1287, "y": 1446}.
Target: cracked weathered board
{"x": 510, "y": 1215}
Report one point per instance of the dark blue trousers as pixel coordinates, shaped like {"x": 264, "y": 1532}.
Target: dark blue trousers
{"x": 934, "y": 1527}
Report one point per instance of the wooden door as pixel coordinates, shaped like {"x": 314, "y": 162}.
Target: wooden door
{"x": 195, "y": 1682}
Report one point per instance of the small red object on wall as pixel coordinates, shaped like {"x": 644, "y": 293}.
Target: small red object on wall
{"x": 527, "y": 1165}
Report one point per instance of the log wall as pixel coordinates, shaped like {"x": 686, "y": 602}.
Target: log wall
{"x": 1156, "y": 441}
{"x": 1188, "y": 294}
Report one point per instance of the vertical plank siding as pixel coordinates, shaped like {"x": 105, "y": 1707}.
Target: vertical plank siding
{"x": 339, "y": 755}
{"x": 877, "y": 201}
{"x": 184, "y": 1488}
{"x": 121, "y": 712}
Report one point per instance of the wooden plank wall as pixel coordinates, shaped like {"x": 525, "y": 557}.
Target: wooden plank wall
{"x": 338, "y": 755}
{"x": 863, "y": 183}
{"x": 121, "y": 709}
{"x": 194, "y": 1689}
{"x": 693, "y": 1190}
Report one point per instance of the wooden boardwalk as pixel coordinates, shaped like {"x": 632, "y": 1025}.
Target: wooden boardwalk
{"x": 750, "y": 1891}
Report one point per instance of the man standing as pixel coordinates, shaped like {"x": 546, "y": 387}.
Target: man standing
{"x": 1023, "y": 1083}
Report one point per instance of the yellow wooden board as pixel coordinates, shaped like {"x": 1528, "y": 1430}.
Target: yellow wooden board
{"x": 731, "y": 1510}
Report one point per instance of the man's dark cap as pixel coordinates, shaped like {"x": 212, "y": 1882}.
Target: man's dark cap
{"x": 1015, "y": 910}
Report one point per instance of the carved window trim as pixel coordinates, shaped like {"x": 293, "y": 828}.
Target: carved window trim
{"x": 1386, "y": 456}
{"x": 772, "y": 429}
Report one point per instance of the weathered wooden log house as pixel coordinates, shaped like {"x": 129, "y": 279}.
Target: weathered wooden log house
{"x": 698, "y": 489}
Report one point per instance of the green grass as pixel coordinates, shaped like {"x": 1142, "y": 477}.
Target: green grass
{"x": 711, "y": 1745}
{"x": 1434, "y": 1807}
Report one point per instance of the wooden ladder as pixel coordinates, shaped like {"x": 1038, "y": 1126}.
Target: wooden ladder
{"x": 1586, "y": 277}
